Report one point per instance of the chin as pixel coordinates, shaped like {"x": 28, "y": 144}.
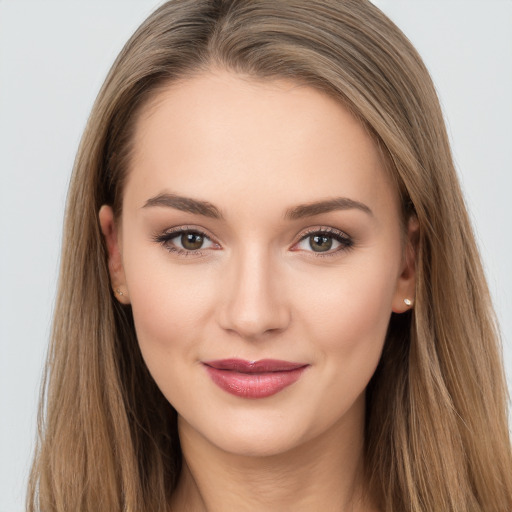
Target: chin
{"x": 259, "y": 444}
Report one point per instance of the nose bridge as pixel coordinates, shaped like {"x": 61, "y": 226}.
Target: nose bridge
{"x": 255, "y": 303}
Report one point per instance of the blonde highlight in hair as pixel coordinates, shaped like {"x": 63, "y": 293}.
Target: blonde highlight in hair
{"x": 437, "y": 434}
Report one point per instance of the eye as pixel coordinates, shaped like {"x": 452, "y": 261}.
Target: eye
{"x": 327, "y": 241}
{"x": 185, "y": 241}
{"x": 190, "y": 241}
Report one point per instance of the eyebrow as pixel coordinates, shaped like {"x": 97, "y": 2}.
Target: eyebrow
{"x": 329, "y": 205}
{"x": 199, "y": 207}
{"x": 184, "y": 204}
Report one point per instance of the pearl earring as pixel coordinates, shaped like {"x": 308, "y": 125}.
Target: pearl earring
{"x": 408, "y": 302}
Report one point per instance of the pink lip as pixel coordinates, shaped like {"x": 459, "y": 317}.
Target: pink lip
{"x": 253, "y": 379}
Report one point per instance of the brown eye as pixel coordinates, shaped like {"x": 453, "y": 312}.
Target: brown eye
{"x": 328, "y": 241}
{"x": 320, "y": 243}
{"x": 185, "y": 241}
{"x": 191, "y": 241}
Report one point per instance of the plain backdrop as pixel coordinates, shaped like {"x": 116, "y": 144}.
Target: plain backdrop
{"x": 54, "y": 56}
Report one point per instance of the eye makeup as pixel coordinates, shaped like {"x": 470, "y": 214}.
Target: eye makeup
{"x": 186, "y": 241}
{"x": 323, "y": 241}
{"x": 192, "y": 241}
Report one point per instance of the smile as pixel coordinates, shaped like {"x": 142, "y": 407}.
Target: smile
{"x": 254, "y": 379}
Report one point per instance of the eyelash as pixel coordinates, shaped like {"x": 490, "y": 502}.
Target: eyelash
{"x": 345, "y": 241}
{"x": 164, "y": 239}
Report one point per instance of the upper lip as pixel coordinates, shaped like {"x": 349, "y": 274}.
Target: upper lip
{"x": 263, "y": 365}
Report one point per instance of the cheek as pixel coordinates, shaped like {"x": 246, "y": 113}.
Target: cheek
{"x": 171, "y": 308}
{"x": 347, "y": 322}
{"x": 170, "y": 314}
{"x": 353, "y": 306}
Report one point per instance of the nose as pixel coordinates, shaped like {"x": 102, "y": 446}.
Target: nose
{"x": 253, "y": 301}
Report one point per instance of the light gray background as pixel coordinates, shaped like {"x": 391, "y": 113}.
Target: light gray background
{"x": 53, "y": 58}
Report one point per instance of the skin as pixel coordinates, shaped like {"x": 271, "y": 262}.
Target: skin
{"x": 257, "y": 289}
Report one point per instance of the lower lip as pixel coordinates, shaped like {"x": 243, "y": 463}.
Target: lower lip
{"x": 254, "y": 385}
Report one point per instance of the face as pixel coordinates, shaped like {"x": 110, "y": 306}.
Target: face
{"x": 261, "y": 249}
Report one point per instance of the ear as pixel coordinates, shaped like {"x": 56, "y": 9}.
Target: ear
{"x": 110, "y": 231}
{"x": 403, "y": 299}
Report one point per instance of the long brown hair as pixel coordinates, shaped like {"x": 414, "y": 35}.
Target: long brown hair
{"x": 437, "y": 435}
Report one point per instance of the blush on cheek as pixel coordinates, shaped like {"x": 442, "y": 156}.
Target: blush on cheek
{"x": 352, "y": 310}
{"x": 170, "y": 311}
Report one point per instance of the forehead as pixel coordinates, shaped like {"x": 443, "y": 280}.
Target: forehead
{"x": 219, "y": 134}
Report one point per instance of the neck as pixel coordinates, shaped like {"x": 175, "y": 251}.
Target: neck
{"x": 325, "y": 473}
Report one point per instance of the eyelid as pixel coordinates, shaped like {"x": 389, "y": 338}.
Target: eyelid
{"x": 345, "y": 240}
{"x": 164, "y": 237}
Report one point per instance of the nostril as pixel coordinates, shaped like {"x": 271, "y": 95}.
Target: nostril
{"x": 253, "y": 303}
{"x": 254, "y": 319}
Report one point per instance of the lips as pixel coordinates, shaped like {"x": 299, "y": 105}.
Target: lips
{"x": 254, "y": 379}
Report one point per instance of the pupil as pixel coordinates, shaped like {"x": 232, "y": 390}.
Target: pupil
{"x": 320, "y": 243}
{"x": 191, "y": 241}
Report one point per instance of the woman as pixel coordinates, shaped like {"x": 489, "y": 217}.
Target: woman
{"x": 270, "y": 294}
